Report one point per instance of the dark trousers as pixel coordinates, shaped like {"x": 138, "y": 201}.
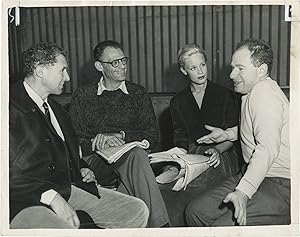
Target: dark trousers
{"x": 270, "y": 205}
{"x": 176, "y": 202}
{"x": 136, "y": 179}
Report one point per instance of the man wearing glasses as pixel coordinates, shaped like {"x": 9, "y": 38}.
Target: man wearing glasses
{"x": 113, "y": 112}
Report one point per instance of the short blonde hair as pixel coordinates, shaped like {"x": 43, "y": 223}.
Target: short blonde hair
{"x": 187, "y": 51}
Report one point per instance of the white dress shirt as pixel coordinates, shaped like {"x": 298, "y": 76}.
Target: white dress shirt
{"x": 39, "y": 102}
{"x": 48, "y": 195}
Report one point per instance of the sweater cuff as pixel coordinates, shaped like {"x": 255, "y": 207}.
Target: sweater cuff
{"x": 231, "y": 134}
{"x": 246, "y": 187}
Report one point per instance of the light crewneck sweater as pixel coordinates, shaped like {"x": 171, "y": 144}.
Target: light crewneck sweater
{"x": 264, "y": 135}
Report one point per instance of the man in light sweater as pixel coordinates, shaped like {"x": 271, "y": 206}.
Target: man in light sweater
{"x": 260, "y": 194}
{"x": 112, "y": 112}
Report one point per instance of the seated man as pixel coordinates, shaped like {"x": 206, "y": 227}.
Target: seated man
{"x": 48, "y": 182}
{"x": 110, "y": 113}
{"x": 260, "y": 194}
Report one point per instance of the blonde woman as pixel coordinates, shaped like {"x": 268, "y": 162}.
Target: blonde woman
{"x": 204, "y": 102}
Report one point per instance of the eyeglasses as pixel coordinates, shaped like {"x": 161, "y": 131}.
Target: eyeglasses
{"x": 115, "y": 63}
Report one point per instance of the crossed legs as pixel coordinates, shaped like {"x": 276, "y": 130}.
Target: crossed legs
{"x": 112, "y": 210}
{"x": 137, "y": 179}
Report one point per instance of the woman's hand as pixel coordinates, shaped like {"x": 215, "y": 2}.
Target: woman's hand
{"x": 214, "y": 159}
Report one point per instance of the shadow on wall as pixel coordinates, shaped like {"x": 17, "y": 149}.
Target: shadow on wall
{"x": 88, "y": 74}
{"x": 224, "y": 77}
{"x": 174, "y": 80}
{"x": 13, "y": 78}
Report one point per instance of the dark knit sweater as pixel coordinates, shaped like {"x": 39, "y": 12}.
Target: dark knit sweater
{"x": 112, "y": 112}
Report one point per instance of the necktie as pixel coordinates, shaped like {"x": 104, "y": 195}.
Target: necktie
{"x": 48, "y": 119}
{"x": 47, "y": 113}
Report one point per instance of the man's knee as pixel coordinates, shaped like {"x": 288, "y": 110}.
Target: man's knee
{"x": 38, "y": 217}
{"x": 137, "y": 156}
{"x": 193, "y": 215}
{"x": 139, "y": 212}
{"x": 139, "y": 152}
{"x": 144, "y": 213}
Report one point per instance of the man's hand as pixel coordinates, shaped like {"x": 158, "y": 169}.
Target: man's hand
{"x": 214, "y": 159}
{"x": 239, "y": 200}
{"x": 63, "y": 210}
{"x": 87, "y": 174}
{"x": 217, "y": 135}
{"x": 102, "y": 141}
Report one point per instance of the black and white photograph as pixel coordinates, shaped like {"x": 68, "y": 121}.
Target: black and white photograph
{"x": 150, "y": 118}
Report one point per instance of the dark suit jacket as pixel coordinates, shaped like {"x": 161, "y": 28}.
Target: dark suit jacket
{"x": 220, "y": 108}
{"x": 39, "y": 159}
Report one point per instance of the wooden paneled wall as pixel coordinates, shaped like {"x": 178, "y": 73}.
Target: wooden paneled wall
{"x": 151, "y": 36}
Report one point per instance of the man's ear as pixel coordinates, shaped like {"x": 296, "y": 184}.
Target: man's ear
{"x": 263, "y": 70}
{"x": 98, "y": 66}
{"x": 183, "y": 71}
{"x": 40, "y": 71}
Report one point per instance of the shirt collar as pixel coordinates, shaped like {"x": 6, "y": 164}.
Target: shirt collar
{"x": 102, "y": 88}
{"x": 34, "y": 96}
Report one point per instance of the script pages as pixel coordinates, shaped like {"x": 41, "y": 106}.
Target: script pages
{"x": 112, "y": 154}
{"x": 190, "y": 167}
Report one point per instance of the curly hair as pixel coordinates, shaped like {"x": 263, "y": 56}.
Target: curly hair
{"x": 187, "y": 51}
{"x": 43, "y": 53}
{"x": 261, "y": 52}
{"x": 98, "y": 51}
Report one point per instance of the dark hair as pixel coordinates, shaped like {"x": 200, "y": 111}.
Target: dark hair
{"x": 43, "y": 53}
{"x": 98, "y": 51}
{"x": 261, "y": 52}
{"x": 187, "y": 51}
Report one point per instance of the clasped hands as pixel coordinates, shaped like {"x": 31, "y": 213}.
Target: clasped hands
{"x": 106, "y": 140}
